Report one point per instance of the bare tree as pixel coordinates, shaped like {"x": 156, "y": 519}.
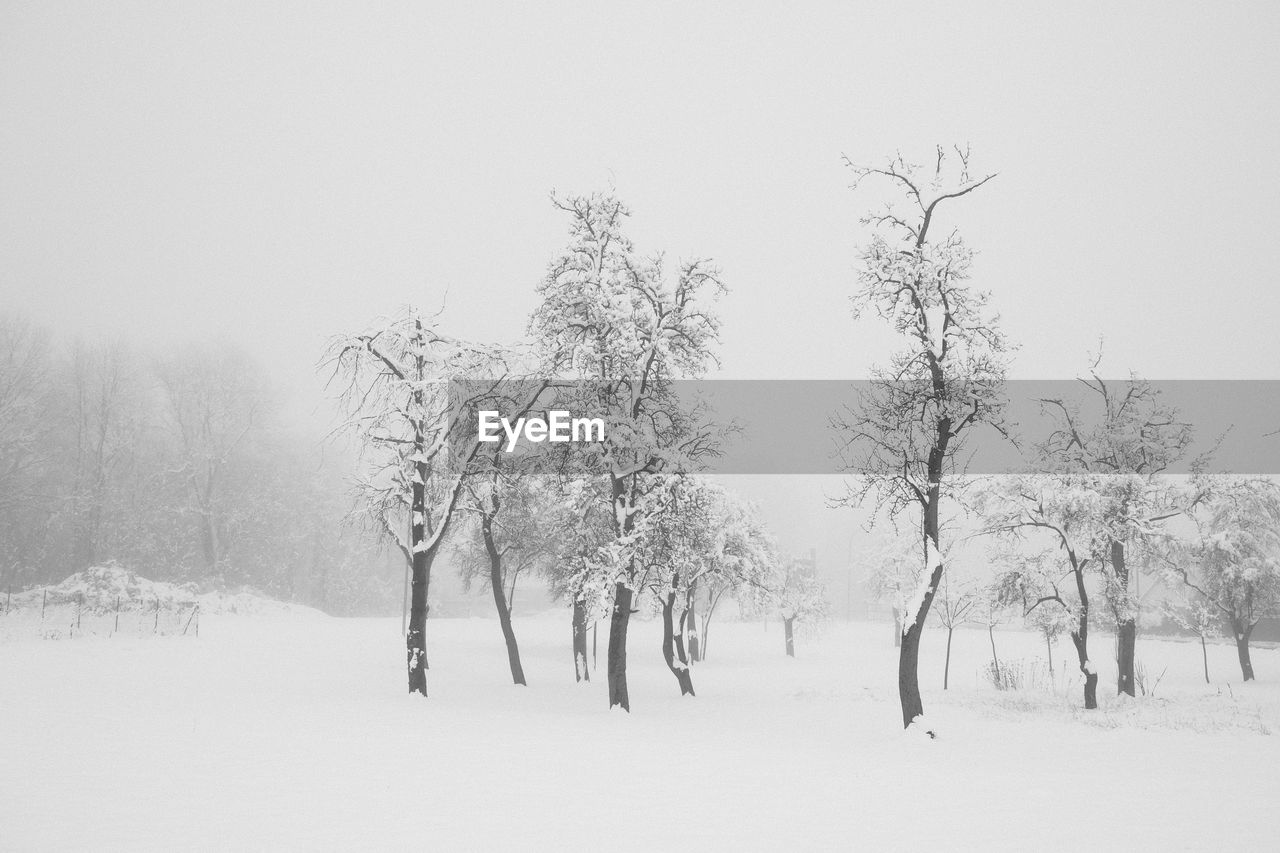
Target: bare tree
{"x": 106, "y": 398}
{"x": 26, "y": 507}
{"x": 1192, "y": 612}
{"x": 177, "y": 473}
{"x": 905, "y": 436}
{"x": 955, "y": 603}
{"x": 214, "y": 399}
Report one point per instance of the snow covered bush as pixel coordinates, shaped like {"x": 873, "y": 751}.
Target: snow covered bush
{"x": 1232, "y": 561}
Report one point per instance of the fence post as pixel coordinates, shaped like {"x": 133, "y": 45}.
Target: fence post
{"x": 44, "y": 596}
{"x": 156, "y": 627}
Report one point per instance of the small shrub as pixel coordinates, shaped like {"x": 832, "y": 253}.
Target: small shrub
{"x": 1019, "y": 674}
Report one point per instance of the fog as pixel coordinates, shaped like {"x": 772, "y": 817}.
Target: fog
{"x": 268, "y": 175}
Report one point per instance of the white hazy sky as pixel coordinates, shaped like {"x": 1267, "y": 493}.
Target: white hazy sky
{"x": 271, "y": 173}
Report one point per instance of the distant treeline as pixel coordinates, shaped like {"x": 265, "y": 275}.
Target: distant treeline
{"x": 176, "y": 465}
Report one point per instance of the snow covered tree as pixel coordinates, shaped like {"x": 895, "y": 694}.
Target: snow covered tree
{"x": 895, "y": 577}
{"x": 1233, "y": 561}
{"x": 411, "y": 394}
{"x": 511, "y": 537}
{"x": 1054, "y": 536}
{"x": 799, "y": 596}
{"x": 676, "y": 545}
{"x": 1192, "y": 612}
{"x": 1134, "y": 439}
{"x": 904, "y": 438}
{"x": 706, "y": 599}
{"x": 955, "y": 603}
{"x": 1050, "y": 624}
{"x": 581, "y": 528}
{"x": 990, "y": 614}
{"x": 696, "y": 532}
{"x": 747, "y": 559}
{"x": 615, "y": 323}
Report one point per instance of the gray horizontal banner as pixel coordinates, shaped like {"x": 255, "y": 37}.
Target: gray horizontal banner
{"x": 786, "y": 426}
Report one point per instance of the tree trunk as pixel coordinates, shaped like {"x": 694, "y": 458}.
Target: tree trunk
{"x": 404, "y": 597}
{"x": 1080, "y": 639}
{"x": 1126, "y": 643}
{"x": 595, "y": 635}
{"x": 423, "y": 557}
{"x": 690, "y": 620}
{"x": 580, "y": 670}
{"x": 1204, "y": 653}
{"x": 908, "y": 686}
{"x": 1126, "y": 628}
{"x": 209, "y": 539}
{"x": 1242, "y": 651}
{"x": 1048, "y": 645}
{"x": 617, "y": 654}
{"x": 995, "y": 660}
{"x": 788, "y": 632}
{"x": 500, "y": 598}
{"x": 712, "y": 601}
{"x": 897, "y": 628}
{"x": 946, "y": 667}
{"x": 909, "y": 652}
{"x": 1080, "y": 636}
{"x": 673, "y": 647}
{"x": 415, "y": 637}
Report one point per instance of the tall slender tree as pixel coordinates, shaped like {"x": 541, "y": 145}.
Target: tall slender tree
{"x": 904, "y": 437}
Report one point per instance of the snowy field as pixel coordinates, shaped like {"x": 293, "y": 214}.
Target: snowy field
{"x": 294, "y": 731}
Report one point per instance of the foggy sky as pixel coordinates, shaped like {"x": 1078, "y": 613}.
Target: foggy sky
{"x": 273, "y": 173}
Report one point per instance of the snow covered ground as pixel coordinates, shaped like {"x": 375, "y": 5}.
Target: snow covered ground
{"x": 289, "y": 731}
